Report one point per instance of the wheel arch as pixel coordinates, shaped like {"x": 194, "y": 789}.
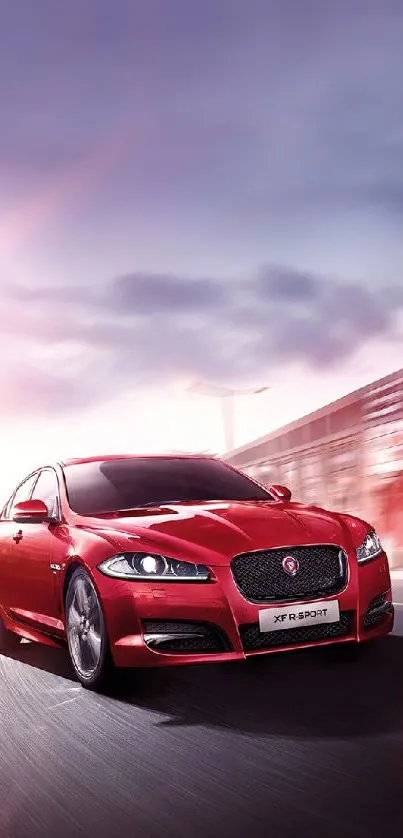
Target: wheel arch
{"x": 73, "y": 566}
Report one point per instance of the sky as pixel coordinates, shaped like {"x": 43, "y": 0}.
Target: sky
{"x": 189, "y": 191}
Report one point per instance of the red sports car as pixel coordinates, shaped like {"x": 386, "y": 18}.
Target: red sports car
{"x": 160, "y": 561}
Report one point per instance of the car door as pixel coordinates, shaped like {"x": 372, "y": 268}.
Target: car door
{"x": 31, "y": 587}
{"x": 8, "y": 530}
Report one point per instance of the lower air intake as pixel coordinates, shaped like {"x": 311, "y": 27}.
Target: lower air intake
{"x": 253, "y": 639}
{"x": 378, "y": 609}
{"x": 179, "y": 637}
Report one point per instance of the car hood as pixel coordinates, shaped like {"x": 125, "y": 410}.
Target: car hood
{"x": 214, "y": 532}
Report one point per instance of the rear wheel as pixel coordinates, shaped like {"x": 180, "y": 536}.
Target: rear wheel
{"x": 8, "y": 640}
{"x": 86, "y": 633}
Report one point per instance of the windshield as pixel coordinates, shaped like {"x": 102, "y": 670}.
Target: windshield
{"x": 100, "y": 487}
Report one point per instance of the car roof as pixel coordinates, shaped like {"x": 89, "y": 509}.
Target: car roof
{"x": 103, "y": 457}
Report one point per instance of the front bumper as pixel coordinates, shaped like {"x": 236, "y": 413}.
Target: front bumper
{"x": 136, "y": 613}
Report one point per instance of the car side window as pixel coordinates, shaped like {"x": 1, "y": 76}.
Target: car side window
{"x": 47, "y": 489}
{"x": 22, "y": 493}
{"x": 5, "y": 513}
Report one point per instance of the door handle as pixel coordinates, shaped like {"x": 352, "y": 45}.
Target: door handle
{"x": 18, "y": 536}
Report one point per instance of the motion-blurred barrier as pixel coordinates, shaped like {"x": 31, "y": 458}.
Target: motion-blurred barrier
{"x": 347, "y": 457}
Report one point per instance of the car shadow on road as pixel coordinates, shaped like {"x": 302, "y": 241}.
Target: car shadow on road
{"x": 302, "y": 694}
{"x": 305, "y": 694}
{"x": 44, "y": 658}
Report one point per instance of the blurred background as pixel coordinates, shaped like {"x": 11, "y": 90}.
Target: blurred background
{"x": 347, "y": 456}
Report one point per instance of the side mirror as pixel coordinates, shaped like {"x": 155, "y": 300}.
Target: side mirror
{"x": 281, "y": 492}
{"x": 30, "y": 512}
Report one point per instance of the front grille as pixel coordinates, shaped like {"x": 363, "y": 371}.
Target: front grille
{"x": 182, "y": 637}
{"x": 253, "y": 639}
{"x": 260, "y": 576}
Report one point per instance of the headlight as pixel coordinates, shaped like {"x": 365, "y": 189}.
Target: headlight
{"x": 150, "y": 566}
{"x": 369, "y": 549}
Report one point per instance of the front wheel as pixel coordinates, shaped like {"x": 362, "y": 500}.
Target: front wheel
{"x": 87, "y": 638}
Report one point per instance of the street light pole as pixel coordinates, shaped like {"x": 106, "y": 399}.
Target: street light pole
{"x": 227, "y": 397}
{"x": 228, "y": 417}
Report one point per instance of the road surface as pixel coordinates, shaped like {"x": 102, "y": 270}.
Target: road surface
{"x": 288, "y": 745}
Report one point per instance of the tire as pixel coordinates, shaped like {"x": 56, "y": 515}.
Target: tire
{"x": 87, "y": 637}
{"x": 8, "y": 639}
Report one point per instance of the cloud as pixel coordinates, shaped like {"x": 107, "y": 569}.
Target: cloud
{"x": 288, "y": 285}
{"x": 153, "y": 294}
{"x": 268, "y": 129}
{"x": 69, "y": 348}
{"x": 265, "y": 111}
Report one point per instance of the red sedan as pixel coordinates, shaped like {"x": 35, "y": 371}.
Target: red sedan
{"x": 160, "y": 561}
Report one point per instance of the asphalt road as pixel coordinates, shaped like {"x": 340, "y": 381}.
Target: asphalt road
{"x": 289, "y": 745}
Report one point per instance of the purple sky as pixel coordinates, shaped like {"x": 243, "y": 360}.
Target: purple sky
{"x": 209, "y": 189}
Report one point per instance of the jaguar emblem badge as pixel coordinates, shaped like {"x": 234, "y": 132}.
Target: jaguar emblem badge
{"x": 290, "y": 565}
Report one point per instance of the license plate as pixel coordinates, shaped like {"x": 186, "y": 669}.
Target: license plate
{"x": 292, "y": 616}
